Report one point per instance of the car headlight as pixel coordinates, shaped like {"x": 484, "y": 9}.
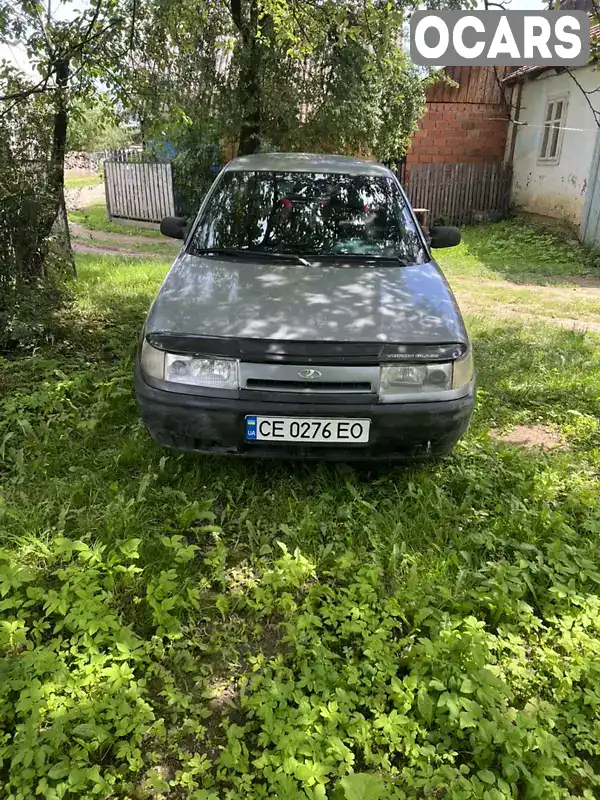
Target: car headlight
{"x": 212, "y": 373}
{"x": 463, "y": 371}
{"x": 412, "y": 379}
{"x": 152, "y": 361}
{"x": 403, "y": 379}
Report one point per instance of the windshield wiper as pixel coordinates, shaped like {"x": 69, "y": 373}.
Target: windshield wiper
{"x": 232, "y": 251}
{"x": 361, "y": 257}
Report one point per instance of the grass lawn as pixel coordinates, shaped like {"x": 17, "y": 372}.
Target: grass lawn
{"x": 94, "y": 217}
{"x": 519, "y": 250}
{"x": 176, "y": 626}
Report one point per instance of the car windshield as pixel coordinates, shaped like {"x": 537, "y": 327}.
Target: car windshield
{"x": 309, "y": 214}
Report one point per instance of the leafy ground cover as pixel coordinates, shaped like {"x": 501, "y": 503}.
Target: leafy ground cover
{"x": 184, "y": 627}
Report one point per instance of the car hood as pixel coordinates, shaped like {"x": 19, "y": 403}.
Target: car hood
{"x": 283, "y": 301}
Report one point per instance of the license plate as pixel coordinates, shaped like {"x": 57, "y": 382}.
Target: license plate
{"x": 301, "y": 429}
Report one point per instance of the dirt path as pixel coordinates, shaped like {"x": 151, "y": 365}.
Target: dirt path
{"x": 124, "y": 239}
{"x": 84, "y": 196}
{"x": 502, "y": 311}
{"x": 84, "y": 240}
{"x": 107, "y": 250}
{"x": 108, "y": 243}
{"x": 570, "y": 284}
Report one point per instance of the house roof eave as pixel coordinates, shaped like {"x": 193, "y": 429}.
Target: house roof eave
{"x": 533, "y": 72}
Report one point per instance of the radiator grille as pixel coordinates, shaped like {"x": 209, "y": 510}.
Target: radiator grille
{"x": 308, "y": 381}
{"x": 304, "y": 386}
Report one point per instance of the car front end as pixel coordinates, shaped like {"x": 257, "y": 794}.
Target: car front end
{"x": 365, "y": 410}
{"x": 333, "y": 354}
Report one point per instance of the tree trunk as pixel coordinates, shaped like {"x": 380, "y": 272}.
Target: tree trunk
{"x": 57, "y": 157}
{"x": 59, "y": 136}
{"x": 250, "y": 96}
{"x": 249, "y": 86}
{"x": 55, "y": 177}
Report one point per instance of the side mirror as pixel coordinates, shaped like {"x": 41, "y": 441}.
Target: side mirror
{"x": 421, "y": 214}
{"x": 174, "y": 227}
{"x": 444, "y": 236}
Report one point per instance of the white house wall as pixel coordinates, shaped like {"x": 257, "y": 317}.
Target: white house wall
{"x": 555, "y": 190}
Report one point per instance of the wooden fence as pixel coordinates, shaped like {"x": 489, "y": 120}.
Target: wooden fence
{"x": 138, "y": 187}
{"x": 458, "y": 194}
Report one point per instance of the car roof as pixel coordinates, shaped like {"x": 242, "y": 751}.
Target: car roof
{"x": 307, "y": 162}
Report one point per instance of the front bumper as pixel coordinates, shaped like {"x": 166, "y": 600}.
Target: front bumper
{"x": 206, "y": 424}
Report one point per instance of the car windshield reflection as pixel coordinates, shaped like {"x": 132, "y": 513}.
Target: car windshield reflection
{"x": 309, "y": 214}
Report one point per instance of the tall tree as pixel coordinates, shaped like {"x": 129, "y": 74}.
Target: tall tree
{"x": 67, "y": 52}
{"x": 279, "y": 73}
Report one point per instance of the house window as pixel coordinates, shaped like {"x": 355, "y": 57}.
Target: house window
{"x": 552, "y": 132}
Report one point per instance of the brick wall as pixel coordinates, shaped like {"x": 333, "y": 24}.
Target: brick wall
{"x": 463, "y": 124}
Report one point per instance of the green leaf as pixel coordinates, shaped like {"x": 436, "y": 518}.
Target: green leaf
{"x": 467, "y": 720}
{"x": 129, "y": 548}
{"x": 303, "y": 772}
{"x": 362, "y": 786}
{"x": 425, "y": 705}
{"x": 222, "y": 604}
{"x": 58, "y": 771}
{"x": 86, "y": 730}
{"x": 486, "y": 776}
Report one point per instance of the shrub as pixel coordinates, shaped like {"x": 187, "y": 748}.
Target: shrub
{"x": 34, "y": 256}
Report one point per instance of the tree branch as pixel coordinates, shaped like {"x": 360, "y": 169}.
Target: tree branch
{"x": 133, "y": 21}
{"x": 585, "y": 94}
{"x": 301, "y": 27}
{"x": 93, "y": 21}
{"x": 39, "y": 88}
{"x": 43, "y": 28}
{"x": 15, "y": 97}
{"x": 235, "y": 7}
{"x": 83, "y": 43}
{"x": 505, "y": 102}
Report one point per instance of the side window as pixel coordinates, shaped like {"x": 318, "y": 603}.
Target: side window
{"x": 555, "y": 120}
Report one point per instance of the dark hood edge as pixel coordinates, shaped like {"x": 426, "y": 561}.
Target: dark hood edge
{"x": 310, "y": 352}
